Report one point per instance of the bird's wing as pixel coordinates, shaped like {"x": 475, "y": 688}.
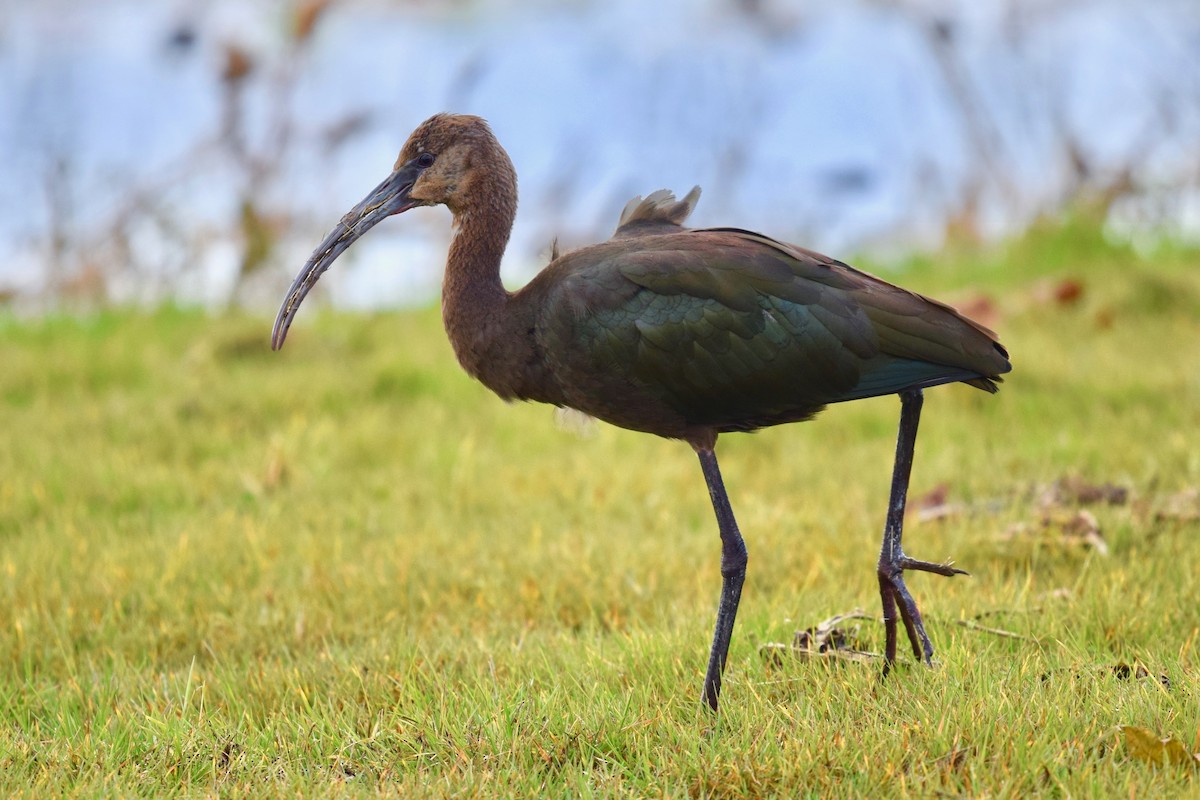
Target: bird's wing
{"x": 908, "y": 325}
{"x": 735, "y": 330}
{"x": 720, "y": 331}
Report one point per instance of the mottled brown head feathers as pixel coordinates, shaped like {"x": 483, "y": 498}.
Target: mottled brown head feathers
{"x": 469, "y": 163}
{"x": 437, "y": 134}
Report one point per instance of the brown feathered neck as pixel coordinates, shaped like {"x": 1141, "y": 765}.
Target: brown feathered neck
{"x": 483, "y": 200}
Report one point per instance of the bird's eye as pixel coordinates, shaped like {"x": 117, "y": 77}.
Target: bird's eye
{"x": 425, "y": 160}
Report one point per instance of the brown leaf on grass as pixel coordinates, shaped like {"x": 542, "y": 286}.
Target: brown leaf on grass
{"x": 1073, "y": 527}
{"x": 1082, "y": 527}
{"x": 1068, "y": 292}
{"x": 934, "y": 497}
{"x": 1074, "y": 490}
{"x": 1064, "y": 292}
{"x": 825, "y": 640}
{"x": 1182, "y": 506}
{"x": 1144, "y": 745}
{"x": 1086, "y": 493}
{"x": 934, "y": 504}
{"x": 937, "y": 504}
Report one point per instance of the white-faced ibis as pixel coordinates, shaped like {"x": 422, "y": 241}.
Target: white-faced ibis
{"x": 684, "y": 333}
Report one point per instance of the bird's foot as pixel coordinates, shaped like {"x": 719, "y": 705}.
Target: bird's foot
{"x": 898, "y": 601}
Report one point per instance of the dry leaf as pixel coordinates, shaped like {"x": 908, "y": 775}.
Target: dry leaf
{"x": 936, "y": 504}
{"x": 1086, "y": 493}
{"x": 1068, "y": 292}
{"x": 1083, "y": 527}
{"x": 1074, "y": 490}
{"x": 933, "y": 504}
{"x": 1064, "y": 292}
{"x": 825, "y": 640}
{"x": 1144, "y": 745}
{"x": 934, "y": 497}
{"x": 1074, "y": 527}
{"x": 1182, "y": 506}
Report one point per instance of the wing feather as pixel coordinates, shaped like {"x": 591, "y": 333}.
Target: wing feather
{"x": 733, "y": 330}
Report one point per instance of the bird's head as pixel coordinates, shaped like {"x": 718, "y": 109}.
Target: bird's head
{"x": 450, "y": 159}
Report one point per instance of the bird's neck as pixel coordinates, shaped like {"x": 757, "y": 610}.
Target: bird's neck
{"x": 473, "y": 298}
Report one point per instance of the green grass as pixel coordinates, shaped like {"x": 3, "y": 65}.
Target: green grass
{"x": 348, "y": 570}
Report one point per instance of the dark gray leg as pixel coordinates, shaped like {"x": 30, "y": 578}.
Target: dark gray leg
{"x": 892, "y": 561}
{"x": 733, "y": 573}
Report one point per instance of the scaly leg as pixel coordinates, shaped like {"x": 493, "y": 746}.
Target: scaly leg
{"x": 892, "y": 561}
{"x": 733, "y": 573}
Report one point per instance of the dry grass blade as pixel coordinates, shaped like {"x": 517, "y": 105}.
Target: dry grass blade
{"x": 975, "y": 626}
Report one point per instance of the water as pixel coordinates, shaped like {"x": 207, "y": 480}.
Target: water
{"x": 833, "y": 126}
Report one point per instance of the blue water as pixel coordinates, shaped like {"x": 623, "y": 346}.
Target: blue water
{"x": 826, "y": 124}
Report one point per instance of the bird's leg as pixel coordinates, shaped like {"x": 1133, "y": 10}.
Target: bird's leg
{"x": 733, "y": 573}
{"x": 892, "y": 561}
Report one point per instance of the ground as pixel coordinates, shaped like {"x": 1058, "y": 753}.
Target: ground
{"x": 345, "y": 569}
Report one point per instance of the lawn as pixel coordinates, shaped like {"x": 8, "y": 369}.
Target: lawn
{"x": 346, "y": 569}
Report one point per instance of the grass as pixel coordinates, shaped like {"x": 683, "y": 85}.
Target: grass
{"x": 348, "y": 570}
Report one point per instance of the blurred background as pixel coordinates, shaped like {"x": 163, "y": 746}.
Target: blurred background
{"x": 195, "y": 151}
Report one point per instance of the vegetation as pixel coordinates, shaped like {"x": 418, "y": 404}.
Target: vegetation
{"x": 348, "y": 570}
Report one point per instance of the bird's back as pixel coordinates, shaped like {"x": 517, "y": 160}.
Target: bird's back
{"x": 667, "y": 330}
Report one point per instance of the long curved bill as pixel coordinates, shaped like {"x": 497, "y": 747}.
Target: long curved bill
{"x": 389, "y": 197}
